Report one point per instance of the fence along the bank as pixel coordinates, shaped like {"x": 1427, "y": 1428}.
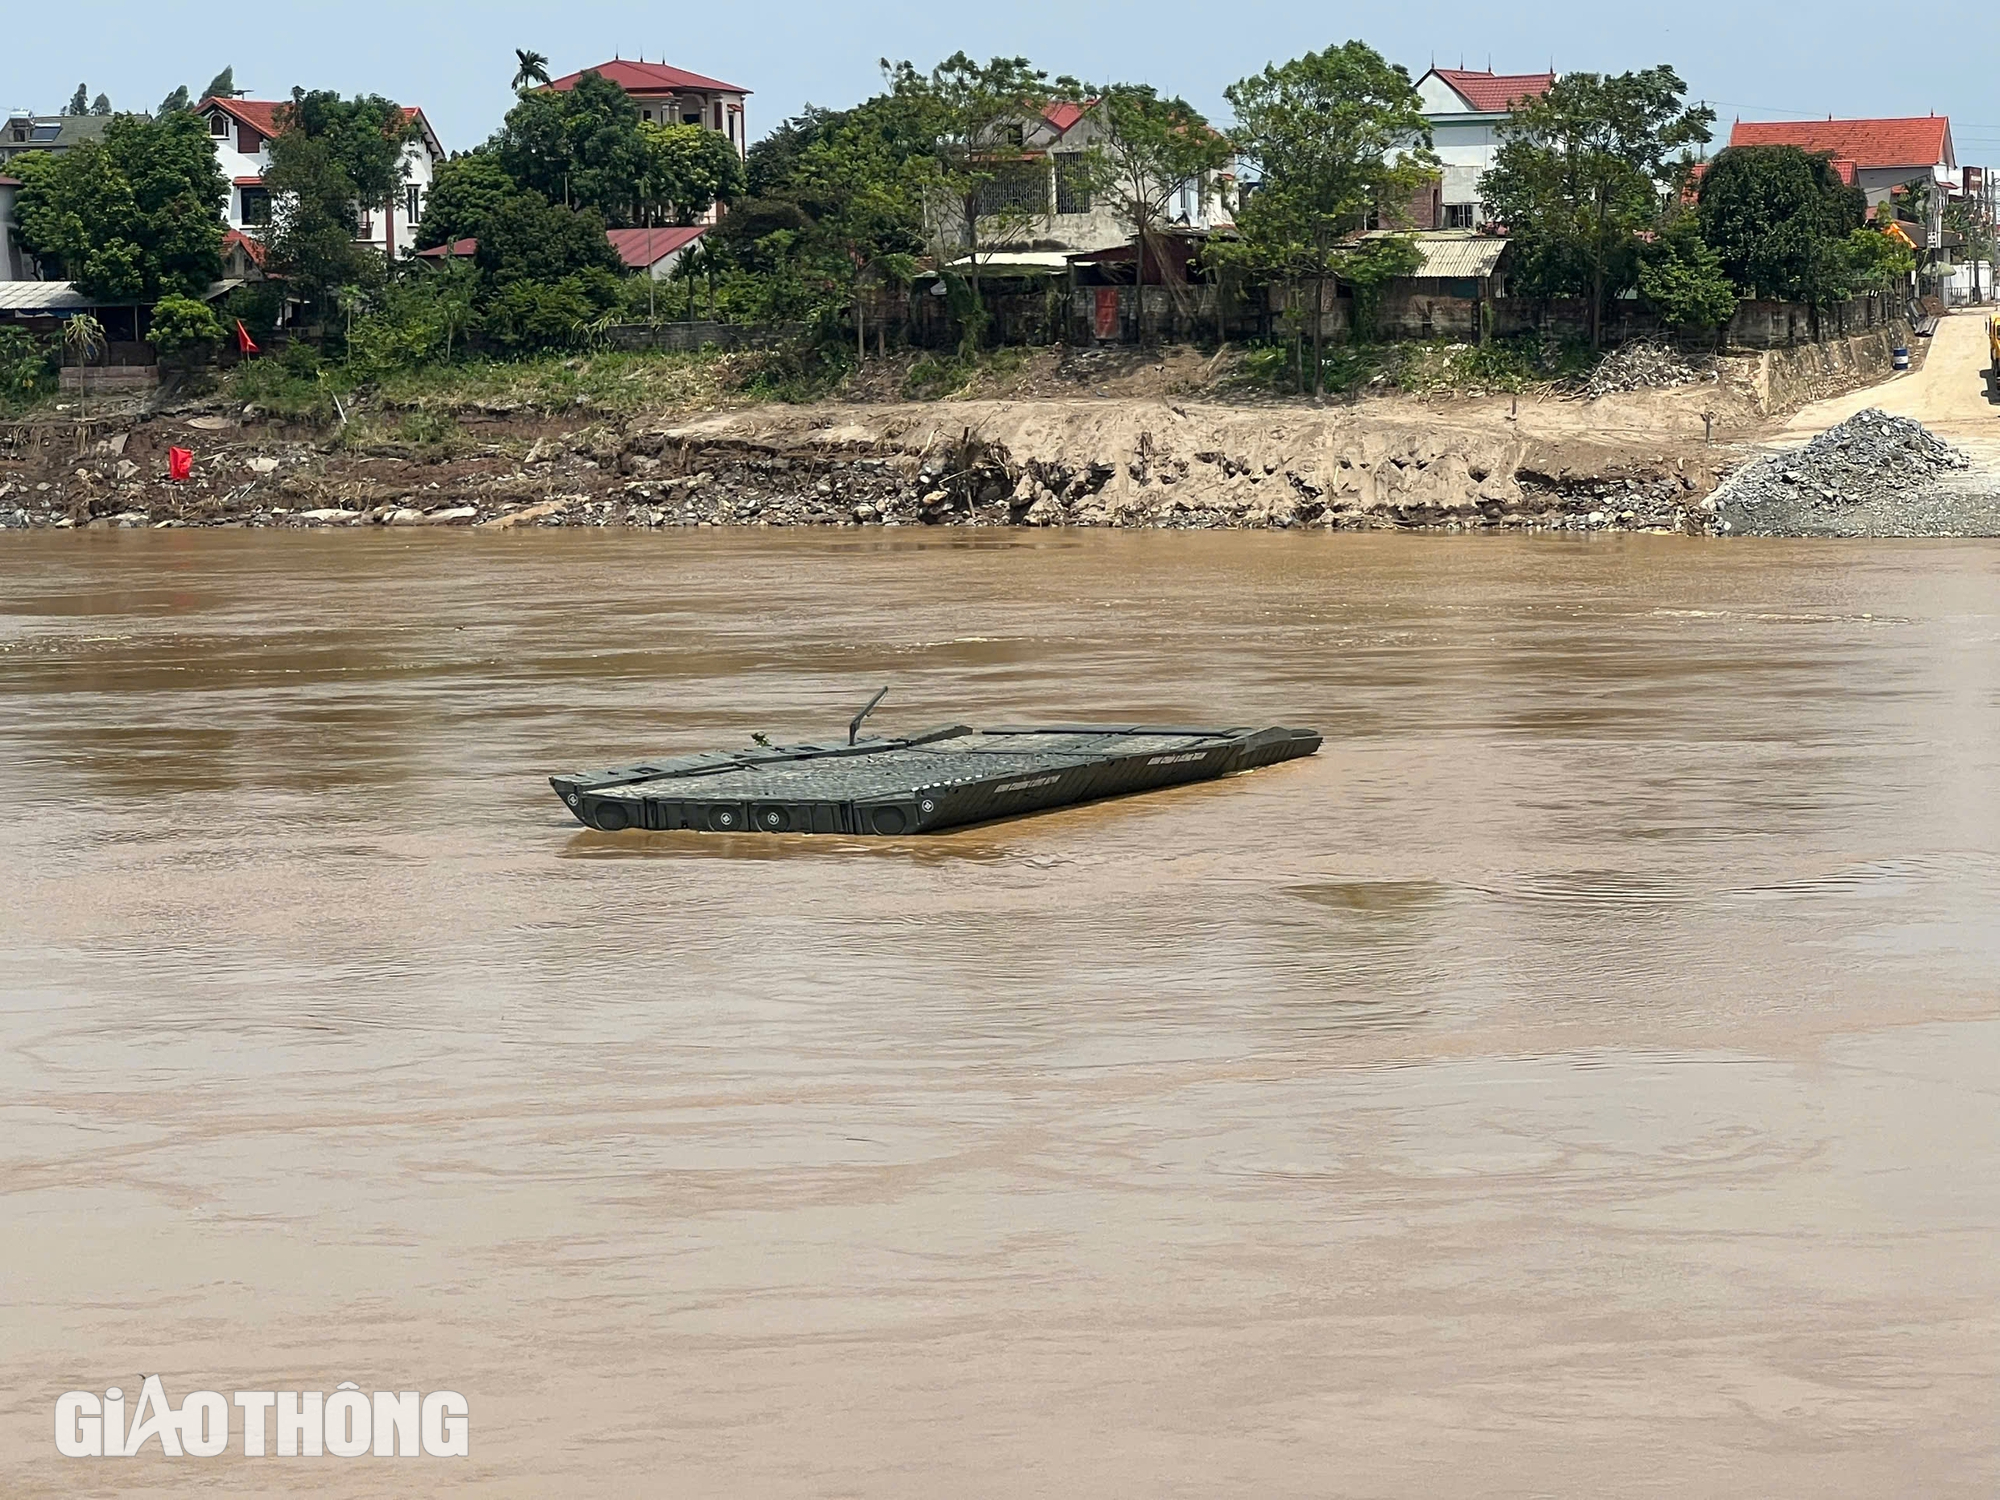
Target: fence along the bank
{"x": 1059, "y": 313}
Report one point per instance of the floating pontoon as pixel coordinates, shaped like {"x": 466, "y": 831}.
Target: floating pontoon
{"x": 941, "y": 779}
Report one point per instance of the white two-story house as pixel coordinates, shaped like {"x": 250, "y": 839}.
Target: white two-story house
{"x": 1042, "y": 197}
{"x": 1466, "y": 110}
{"x": 242, "y": 130}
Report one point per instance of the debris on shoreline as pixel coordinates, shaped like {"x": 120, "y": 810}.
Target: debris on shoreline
{"x": 1870, "y": 457}
{"x": 1639, "y": 366}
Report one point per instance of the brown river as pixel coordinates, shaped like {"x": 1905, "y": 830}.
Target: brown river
{"x": 1581, "y": 1078}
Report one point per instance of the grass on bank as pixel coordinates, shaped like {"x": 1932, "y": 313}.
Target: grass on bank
{"x": 300, "y": 386}
{"x": 1418, "y": 368}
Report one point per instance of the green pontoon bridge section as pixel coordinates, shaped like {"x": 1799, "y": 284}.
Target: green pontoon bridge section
{"x": 942, "y": 779}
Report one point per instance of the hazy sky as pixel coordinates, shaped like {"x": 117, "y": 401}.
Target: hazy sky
{"x": 1750, "y": 58}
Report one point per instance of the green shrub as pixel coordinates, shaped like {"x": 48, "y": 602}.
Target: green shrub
{"x": 257, "y": 305}
{"x": 27, "y": 369}
{"x": 181, "y": 325}
{"x": 537, "y": 315}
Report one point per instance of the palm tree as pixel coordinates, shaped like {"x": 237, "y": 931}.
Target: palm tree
{"x": 83, "y": 336}
{"x": 534, "y": 69}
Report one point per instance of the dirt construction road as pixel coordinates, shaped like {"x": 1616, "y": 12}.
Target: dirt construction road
{"x": 1948, "y": 394}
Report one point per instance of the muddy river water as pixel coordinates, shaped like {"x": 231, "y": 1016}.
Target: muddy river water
{"x": 1583, "y": 1077}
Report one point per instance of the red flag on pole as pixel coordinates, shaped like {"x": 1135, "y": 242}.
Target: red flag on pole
{"x": 180, "y": 464}
{"x": 244, "y": 343}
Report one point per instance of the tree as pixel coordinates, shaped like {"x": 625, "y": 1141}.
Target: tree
{"x": 1778, "y": 220}
{"x": 533, "y": 69}
{"x": 135, "y": 214}
{"x": 176, "y": 102}
{"x": 1581, "y": 171}
{"x": 315, "y": 217}
{"x": 971, "y": 117}
{"x": 464, "y": 193}
{"x": 331, "y": 160}
{"x": 1683, "y": 279}
{"x": 688, "y": 170}
{"x": 530, "y": 239}
{"x": 1147, "y": 151}
{"x": 579, "y": 147}
{"x": 83, "y": 336}
{"x": 1332, "y": 134}
{"x": 1878, "y": 261}
{"x": 183, "y": 324}
{"x": 79, "y": 102}
{"x": 862, "y": 186}
{"x": 366, "y": 136}
{"x": 1369, "y": 268}
{"x": 222, "y": 85}
{"x": 101, "y": 106}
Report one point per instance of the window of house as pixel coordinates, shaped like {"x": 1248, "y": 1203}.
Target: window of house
{"x": 1072, "y": 183}
{"x": 218, "y": 124}
{"x": 248, "y": 141}
{"x": 718, "y": 114}
{"x": 692, "y": 117}
{"x": 413, "y": 203}
{"x": 256, "y": 205}
{"x": 1458, "y": 215}
{"x": 1015, "y": 187}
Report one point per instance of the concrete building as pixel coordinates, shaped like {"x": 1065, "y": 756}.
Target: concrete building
{"x": 673, "y": 96}
{"x": 1041, "y": 199}
{"x": 242, "y": 130}
{"x": 1466, "y": 110}
{"x": 24, "y": 132}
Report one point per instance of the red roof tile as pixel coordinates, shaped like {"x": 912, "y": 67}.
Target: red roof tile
{"x": 639, "y": 248}
{"x": 458, "y": 249}
{"x": 1494, "y": 93}
{"x": 1921, "y": 142}
{"x": 251, "y": 247}
{"x": 10, "y": 182}
{"x": 247, "y": 181}
{"x": 1063, "y": 114}
{"x": 649, "y": 78}
{"x": 261, "y": 115}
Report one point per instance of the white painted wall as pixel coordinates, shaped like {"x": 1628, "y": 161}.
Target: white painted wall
{"x": 1204, "y": 205}
{"x": 11, "y": 267}
{"x": 419, "y": 168}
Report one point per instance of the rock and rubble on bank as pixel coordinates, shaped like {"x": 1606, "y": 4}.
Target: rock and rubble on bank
{"x": 1149, "y": 464}
{"x": 1872, "y": 475}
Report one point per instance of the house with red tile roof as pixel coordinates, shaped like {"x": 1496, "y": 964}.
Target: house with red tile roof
{"x": 1879, "y": 156}
{"x": 653, "y": 251}
{"x": 1466, "y": 109}
{"x": 242, "y": 130}
{"x": 668, "y": 95}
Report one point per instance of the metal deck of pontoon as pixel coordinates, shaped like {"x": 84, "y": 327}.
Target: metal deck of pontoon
{"x": 942, "y": 779}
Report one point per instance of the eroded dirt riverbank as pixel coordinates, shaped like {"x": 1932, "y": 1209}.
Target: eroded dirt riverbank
{"x": 1153, "y": 449}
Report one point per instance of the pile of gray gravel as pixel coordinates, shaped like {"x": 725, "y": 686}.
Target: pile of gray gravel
{"x": 1871, "y": 456}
